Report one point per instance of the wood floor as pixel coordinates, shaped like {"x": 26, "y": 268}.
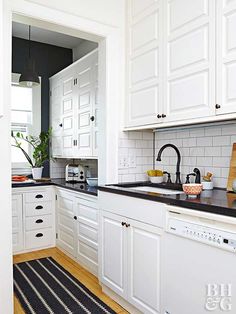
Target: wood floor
{"x": 89, "y": 280}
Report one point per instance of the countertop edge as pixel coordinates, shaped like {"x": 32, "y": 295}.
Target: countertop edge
{"x": 168, "y": 201}
{"x": 38, "y": 184}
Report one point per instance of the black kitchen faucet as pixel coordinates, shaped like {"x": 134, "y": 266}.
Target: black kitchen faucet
{"x": 177, "y": 180}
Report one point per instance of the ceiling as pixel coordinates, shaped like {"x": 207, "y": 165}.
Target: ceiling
{"x": 45, "y": 36}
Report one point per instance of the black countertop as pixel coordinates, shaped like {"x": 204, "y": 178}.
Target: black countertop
{"x": 217, "y": 201}
{"x": 78, "y": 187}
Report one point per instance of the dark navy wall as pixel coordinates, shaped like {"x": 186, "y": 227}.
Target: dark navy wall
{"x": 49, "y": 60}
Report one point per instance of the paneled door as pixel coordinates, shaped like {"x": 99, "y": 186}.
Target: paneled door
{"x": 68, "y": 101}
{"x": 86, "y": 71}
{"x": 226, "y": 57}
{"x": 189, "y": 50}
{"x": 66, "y": 226}
{"x": 56, "y": 116}
{"x": 114, "y": 253}
{"x": 144, "y": 259}
{"x": 144, "y": 62}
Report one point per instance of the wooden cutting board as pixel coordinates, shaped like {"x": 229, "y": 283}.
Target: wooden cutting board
{"x": 232, "y": 169}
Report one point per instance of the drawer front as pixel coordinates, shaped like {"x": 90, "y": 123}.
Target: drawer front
{"x": 87, "y": 211}
{"x": 87, "y": 232}
{"x": 38, "y": 209}
{"x": 34, "y": 223}
{"x": 87, "y": 252}
{"x": 38, "y": 238}
{"x": 39, "y": 196}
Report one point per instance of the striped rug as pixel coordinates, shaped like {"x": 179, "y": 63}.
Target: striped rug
{"x": 44, "y": 286}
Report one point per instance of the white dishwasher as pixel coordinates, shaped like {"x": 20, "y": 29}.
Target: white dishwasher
{"x": 199, "y": 263}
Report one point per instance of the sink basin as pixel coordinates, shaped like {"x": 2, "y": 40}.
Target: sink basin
{"x": 155, "y": 190}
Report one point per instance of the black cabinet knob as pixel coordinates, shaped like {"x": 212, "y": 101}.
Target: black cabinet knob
{"x": 39, "y": 196}
{"x": 217, "y": 106}
{"x": 39, "y": 221}
{"x": 123, "y": 223}
{"x": 39, "y": 235}
{"x": 158, "y": 116}
{"x": 61, "y": 125}
{"x": 92, "y": 118}
{"x": 75, "y": 217}
{"x": 163, "y": 115}
{"x": 39, "y": 207}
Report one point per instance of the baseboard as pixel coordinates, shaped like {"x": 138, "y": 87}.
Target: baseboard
{"x": 122, "y": 302}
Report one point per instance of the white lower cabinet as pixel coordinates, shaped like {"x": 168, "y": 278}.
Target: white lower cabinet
{"x": 130, "y": 253}
{"x": 66, "y": 228}
{"x": 114, "y": 253}
{"x": 77, "y": 227}
{"x": 144, "y": 252}
{"x": 33, "y": 218}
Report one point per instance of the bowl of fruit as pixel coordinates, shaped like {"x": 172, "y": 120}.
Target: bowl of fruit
{"x": 155, "y": 176}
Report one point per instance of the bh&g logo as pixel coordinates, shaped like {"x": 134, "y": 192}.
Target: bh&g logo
{"x": 218, "y": 297}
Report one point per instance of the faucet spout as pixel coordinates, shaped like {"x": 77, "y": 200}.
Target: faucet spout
{"x": 178, "y": 159}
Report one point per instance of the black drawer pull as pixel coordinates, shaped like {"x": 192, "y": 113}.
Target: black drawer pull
{"x": 39, "y": 235}
{"x": 39, "y": 221}
{"x": 75, "y": 217}
{"x": 39, "y": 207}
{"x": 39, "y": 196}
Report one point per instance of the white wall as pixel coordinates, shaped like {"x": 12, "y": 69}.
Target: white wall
{"x": 83, "y": 48}
{"x": 6, "y": 284}
{"x": 110, "y": 12}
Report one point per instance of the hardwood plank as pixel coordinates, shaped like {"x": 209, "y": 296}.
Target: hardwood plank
{"x": 85, "y": 277}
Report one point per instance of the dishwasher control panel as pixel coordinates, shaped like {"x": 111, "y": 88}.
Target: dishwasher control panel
{"x": 206, "y": 234}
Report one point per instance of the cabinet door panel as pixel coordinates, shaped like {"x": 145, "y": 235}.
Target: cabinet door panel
{"x": 182, "y": 12}
{"x": 226, "y": 61}
{"x": 144, "y": 56}
{"x": 144, "y": 267}
{"x": 56, "y": 116}
{"x": 189, "y": 50}
{"x": 145, "y": 31}
{"x": 66, "y": 228}
{"x": 144, "y": 104}
{"x": 114, "y": 238}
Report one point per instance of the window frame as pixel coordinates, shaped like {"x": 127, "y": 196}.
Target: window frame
{"x": 33, "y": 129}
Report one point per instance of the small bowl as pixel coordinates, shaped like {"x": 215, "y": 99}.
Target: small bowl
{"x": 158, "y": 179}
{"x": 92, "y": 181}
{"x": 192, "y": 189}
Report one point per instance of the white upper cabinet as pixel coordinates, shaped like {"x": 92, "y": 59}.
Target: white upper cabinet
{"x": 226, "y": 58}
{"x": 74, "y": 107}
{"x": 189, "y": 50}
{"x": 181, "y": 62}
{"x": 144, "y": 62}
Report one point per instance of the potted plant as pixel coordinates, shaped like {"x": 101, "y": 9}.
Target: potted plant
{"x": 40, "y": 150}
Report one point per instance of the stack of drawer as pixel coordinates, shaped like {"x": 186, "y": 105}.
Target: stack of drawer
{"x": 38, "y": 219}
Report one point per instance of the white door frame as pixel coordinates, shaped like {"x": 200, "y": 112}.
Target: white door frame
{"x": 111, "y": 59}
{"x": 110, "y": 74}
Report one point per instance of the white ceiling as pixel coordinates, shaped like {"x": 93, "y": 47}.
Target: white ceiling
{"x": 45, "y": 36}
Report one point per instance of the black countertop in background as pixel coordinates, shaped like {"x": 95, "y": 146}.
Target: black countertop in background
{"x": 217, "y": 201}
{"x": 78, "y": 187}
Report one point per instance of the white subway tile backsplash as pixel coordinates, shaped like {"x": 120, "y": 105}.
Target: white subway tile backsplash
{"x": 208, "y": 148}
{"x": 221, "y": 140}
{"x": 204, "y": 141}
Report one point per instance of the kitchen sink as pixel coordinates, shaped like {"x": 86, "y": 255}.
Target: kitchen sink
{"x": 155, "y": 190}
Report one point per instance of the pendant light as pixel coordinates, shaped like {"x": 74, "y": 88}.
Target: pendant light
{"x": 29, "y": 77}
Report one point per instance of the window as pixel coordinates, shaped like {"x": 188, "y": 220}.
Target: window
{"x": 25, "y": 118}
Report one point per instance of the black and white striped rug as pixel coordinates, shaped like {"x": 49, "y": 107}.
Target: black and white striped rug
{"x": 43, "y": 286}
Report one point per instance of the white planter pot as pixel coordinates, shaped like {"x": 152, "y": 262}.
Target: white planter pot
{"x": 37, "y": 173}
